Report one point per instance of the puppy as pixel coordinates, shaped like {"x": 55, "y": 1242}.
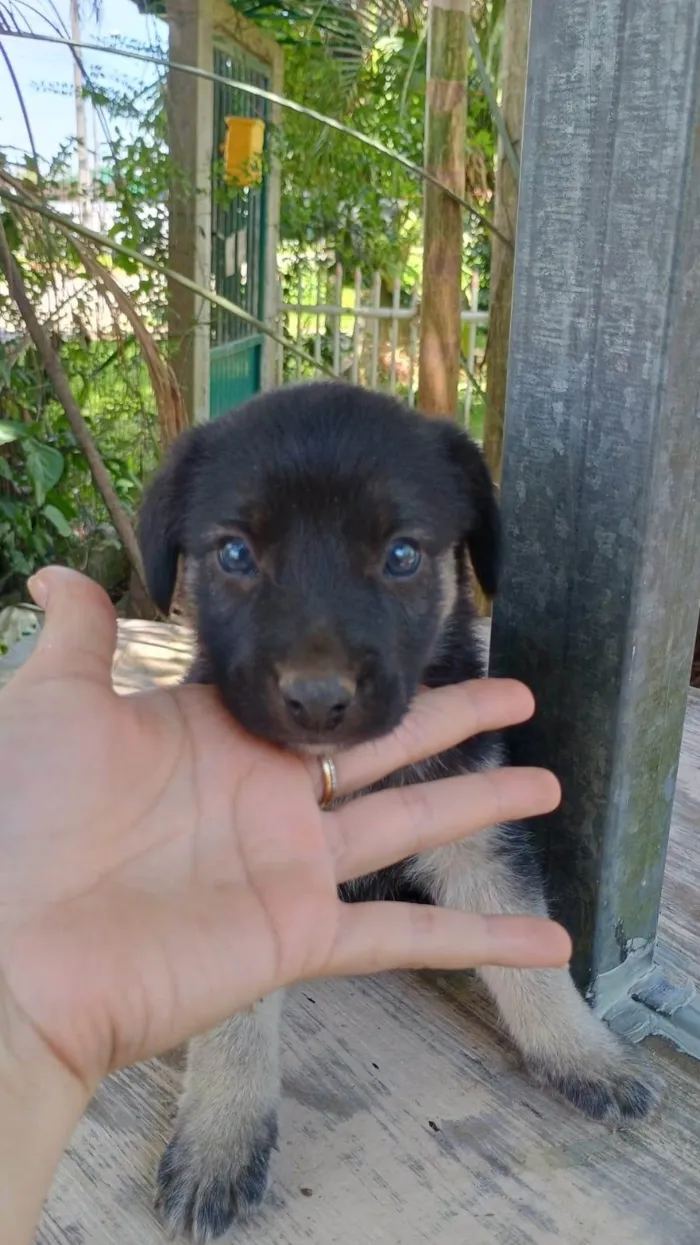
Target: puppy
{"x": 327, "y": 534}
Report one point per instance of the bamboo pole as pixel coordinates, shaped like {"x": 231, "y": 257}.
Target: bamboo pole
{"x": 445, "y": 128}
{"x": 513, "y": 75}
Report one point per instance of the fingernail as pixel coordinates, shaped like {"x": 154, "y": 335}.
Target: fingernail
{"x": 38, "y": 591}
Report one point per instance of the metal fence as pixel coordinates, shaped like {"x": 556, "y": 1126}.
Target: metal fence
{"x": 370, "y": 336}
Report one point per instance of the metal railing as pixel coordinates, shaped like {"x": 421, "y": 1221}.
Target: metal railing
{"x": 352, "y": 329}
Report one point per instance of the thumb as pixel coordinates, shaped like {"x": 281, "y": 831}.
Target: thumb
{"x": 80, "y": 630}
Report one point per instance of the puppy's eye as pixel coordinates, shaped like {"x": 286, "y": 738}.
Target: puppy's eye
{"x": 236, "y": 558}
{"x": 402, "y": 559}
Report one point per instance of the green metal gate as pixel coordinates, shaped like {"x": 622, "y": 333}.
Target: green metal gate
{"x": 238, "y": 244}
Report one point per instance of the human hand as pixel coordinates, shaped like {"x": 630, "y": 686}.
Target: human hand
{"x": 161, "y": 869}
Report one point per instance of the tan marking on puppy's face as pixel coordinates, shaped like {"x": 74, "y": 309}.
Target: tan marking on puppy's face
{"x": 448, "y": 582}
{"x": 183, "y": 609}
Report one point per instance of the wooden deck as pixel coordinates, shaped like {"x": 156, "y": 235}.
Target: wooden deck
{"x": 406, "y": 1118}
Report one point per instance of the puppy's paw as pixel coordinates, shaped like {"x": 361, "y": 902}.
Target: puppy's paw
{"x": 613, "y": 1095}
{"x": 201, "y": 1191}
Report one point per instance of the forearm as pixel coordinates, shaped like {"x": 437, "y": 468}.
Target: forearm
{"x": 40, "y": 1104}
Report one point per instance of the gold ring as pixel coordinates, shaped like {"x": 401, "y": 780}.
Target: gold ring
{"x": 329, "y": 775}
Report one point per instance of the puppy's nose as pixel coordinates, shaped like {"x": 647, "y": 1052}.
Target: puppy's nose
{"x": 317, "y": 702}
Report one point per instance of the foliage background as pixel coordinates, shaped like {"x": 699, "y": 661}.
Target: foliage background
{"x": 340, "y": 200}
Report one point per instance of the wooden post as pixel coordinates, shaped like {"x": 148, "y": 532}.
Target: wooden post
{"x": 601, "y": 464}
{"x": 445, "y": 130}
{"x": 190, "y": 126}
{"x": 516, "y": 24}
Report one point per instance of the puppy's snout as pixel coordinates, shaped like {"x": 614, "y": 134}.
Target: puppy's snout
{"x": 316, "y": 702}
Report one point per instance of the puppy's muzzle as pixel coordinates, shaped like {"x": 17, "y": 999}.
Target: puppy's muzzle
{"x": 317, "y": 703}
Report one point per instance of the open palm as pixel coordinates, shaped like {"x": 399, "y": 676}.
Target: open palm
{"x": 162, "y": 869}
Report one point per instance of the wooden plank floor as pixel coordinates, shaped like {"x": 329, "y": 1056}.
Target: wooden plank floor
{"x": 406, "y": 1118}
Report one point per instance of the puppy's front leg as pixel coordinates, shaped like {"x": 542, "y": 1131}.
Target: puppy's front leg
{"x": 565, "y": 1046}
{"x": 215, "y": 1168}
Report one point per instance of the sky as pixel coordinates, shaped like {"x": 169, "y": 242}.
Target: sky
{"x": 52, "y": 115}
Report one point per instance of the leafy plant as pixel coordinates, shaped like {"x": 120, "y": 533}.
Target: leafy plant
{"x": 35, "y": 516}
{"x": 345, "y": 199}
{"x": 48, "y": 505}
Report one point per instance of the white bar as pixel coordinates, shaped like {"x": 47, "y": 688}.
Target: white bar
{"x": 355, "y": 373}
{"x": 317, "y": 338}
{"x": 300, "y": 293}
{"x": 279, "y": 325}
{"x": 471, "y": 352}
{"x": 413, "y": 348}
{"x": 379, "y": 313}
{"x": 336, "y": 321}
{"x": 376, "y": 298}
{"x": 394, "y": 340}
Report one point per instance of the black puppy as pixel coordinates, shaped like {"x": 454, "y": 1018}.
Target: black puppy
{"x": 326, "y": 533}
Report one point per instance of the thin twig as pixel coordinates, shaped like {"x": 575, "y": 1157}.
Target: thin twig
{"x": 59, "y": 380}
{"x": 475, "y": 383}
{"x": 102, "y": 367}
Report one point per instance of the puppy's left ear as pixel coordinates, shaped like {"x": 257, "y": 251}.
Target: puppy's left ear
{"x": 482, "y": 520}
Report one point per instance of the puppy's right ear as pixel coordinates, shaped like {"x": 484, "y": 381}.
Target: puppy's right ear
{"x": 161, "y": 519}
{"x": 482, "y": 522}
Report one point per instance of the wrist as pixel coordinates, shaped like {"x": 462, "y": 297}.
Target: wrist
{"x": 41, "y": 1102}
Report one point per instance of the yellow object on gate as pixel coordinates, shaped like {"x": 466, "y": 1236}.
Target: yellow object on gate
{"x": 243, "y": 149}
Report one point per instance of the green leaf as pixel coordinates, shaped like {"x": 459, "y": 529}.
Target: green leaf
{"x": 57, "y": 520}
{"x": 59, "y": 501}
{"x": 11, "y": 228}
{"x": 8, "y": 508}
{"x": 45, "y": 466}
{"x": 11, "y": 430}
{"x": 5, "y": 366}
{"x": 20, "y": 563}
{"x": 5, "y": 473}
